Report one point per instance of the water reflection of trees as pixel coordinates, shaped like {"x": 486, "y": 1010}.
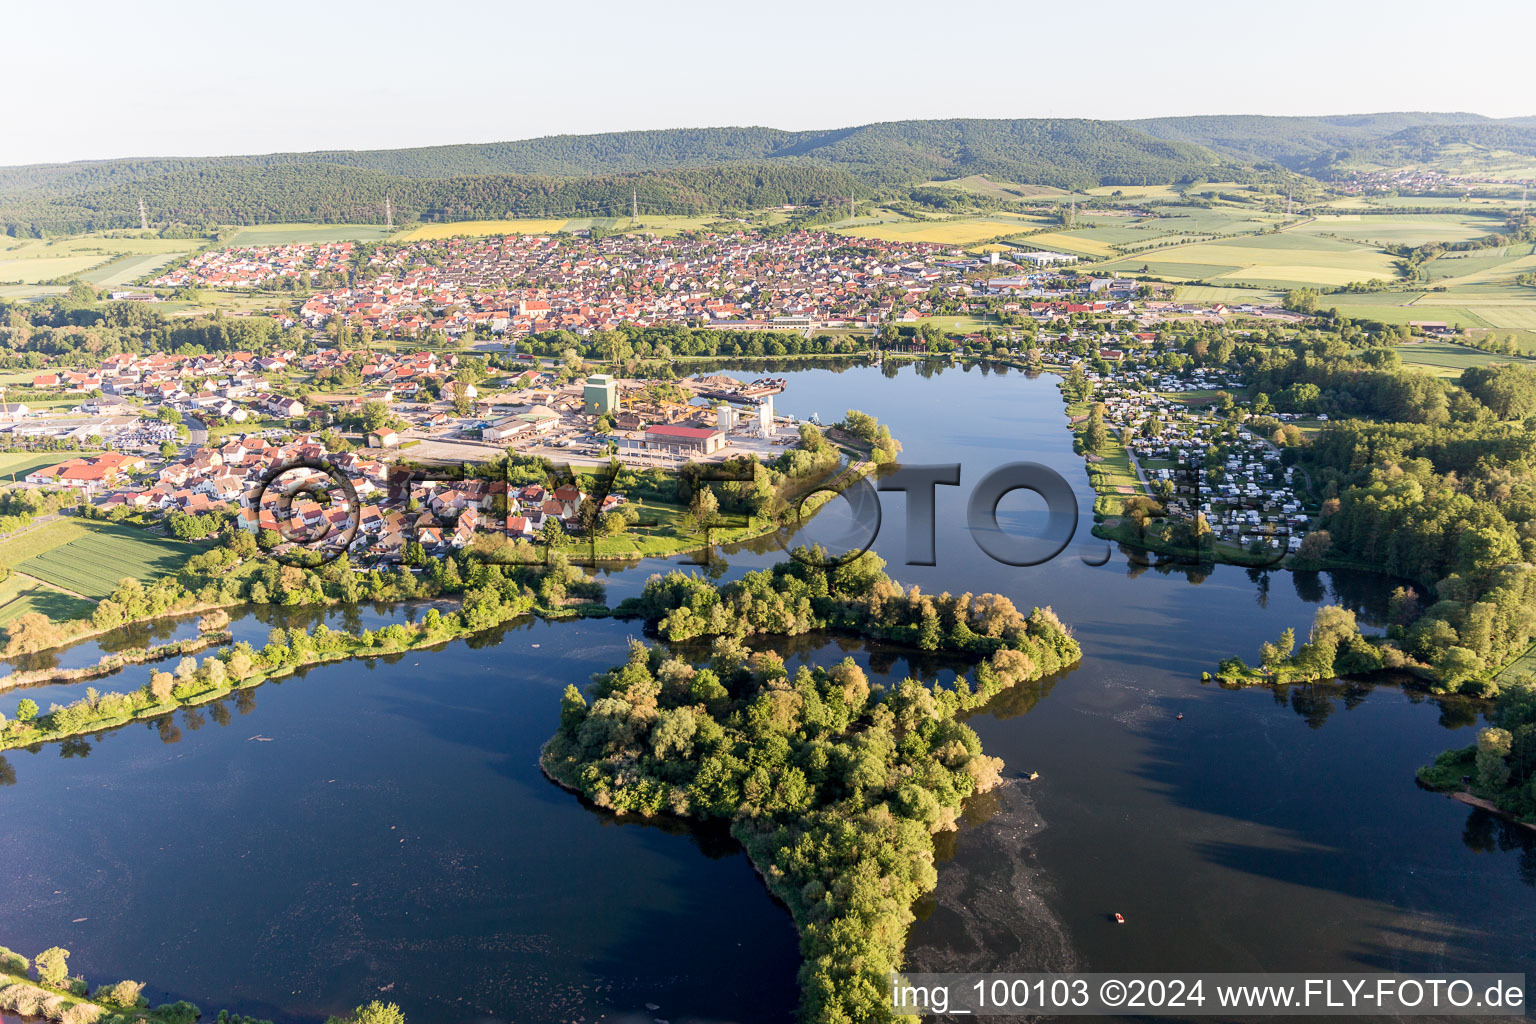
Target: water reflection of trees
{"x": 1367, "y": 594}
{"x": 1139, "y": 561}
{"x": 1317, "y": 701}
{"x": 762, "y": 367}
{"x": 1486, "y": 832}
{"x": 167, "y": 727}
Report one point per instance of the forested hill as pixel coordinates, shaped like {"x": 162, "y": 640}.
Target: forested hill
{"x": 683, "y": 170}
{"x": 329, "y": 193}
{"x": 720, "y": 169}
{"x": 1333, "y": 144}
{"x": 1073, "y": 153}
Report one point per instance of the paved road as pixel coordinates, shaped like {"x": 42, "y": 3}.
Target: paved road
{"x": 198, "y": 428}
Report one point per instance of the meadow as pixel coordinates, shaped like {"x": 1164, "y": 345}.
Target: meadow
{"x": 89, "y": 558}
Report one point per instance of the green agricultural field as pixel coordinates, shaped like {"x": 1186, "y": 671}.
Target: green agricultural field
{"x": 287, "y": 234}
{"x": 102, "y": 259}
{"x": 654, "y": 223}
{"x": 129, "y": 268}
{"x": 1215, "y": 220}
{"x": 1482, "y": 266}
{"x": 1523, "y": 665}
{"x": 1279, "y": 261}
{"x": 90, "y": 558}
{"x": 20, "y": 595}
{"x": 1403, "y": 308}
{"x": 1445, "y": 359}
{"x": 1404, "y": 229}
{"x": 1473, "y": 202}
{"x": 37, "y": 269}
{"x": 24, "y": 545}
{"x": 1170, "y": 270}
{"x": 1076, "y": 243}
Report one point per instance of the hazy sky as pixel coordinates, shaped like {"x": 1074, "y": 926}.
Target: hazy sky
{"x": 93, "y": 79}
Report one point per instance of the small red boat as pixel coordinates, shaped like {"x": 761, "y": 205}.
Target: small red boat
{"x": 1119, "y": 919}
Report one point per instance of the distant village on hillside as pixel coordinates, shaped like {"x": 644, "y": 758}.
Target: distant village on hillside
{"x": 518, "y": 285}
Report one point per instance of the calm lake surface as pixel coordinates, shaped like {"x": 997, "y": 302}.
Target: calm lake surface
{"x": 382, "y": 830}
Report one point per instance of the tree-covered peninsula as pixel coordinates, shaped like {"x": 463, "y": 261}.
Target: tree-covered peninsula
{"x": 833, "y": 784}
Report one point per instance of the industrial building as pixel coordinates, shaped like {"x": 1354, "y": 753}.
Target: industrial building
{"x": 698, "y": 440}
{"x": 540, "y": 420}
{"x": 600, "y": 395}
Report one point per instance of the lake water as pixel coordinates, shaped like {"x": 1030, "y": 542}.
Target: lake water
{"x": 381, "y": 829}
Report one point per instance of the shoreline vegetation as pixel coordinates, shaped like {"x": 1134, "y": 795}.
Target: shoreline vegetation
{"x": 833, "y": 785}
{"x": 57, "y": 996}
{"x": 1498, "y": 772}
{"x": 208, "y": 636}
{"x": 498, "y": 595}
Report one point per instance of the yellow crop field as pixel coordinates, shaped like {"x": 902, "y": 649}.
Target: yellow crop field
{"x": 957, "y": 231}
{"x": 658, "y": 224}
{"x": 1073, "y": 244}
{"x": 471, "y": 228}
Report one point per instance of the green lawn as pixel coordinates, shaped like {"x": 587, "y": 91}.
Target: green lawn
{"x": 90, "y": 558}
